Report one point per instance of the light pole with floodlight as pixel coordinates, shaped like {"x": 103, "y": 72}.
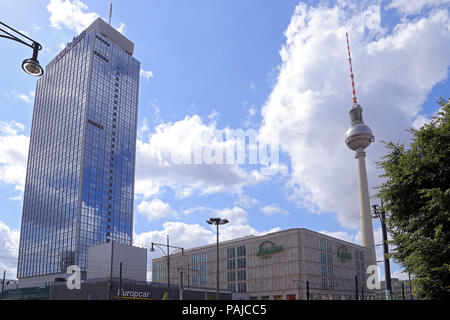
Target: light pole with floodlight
{"x": 217, "y": 222}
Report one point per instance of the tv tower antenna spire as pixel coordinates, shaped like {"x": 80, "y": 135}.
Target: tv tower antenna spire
{"x": 351, "y": 70}
{"x": 359, "y": 137}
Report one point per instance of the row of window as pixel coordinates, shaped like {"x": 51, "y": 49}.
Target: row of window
{"x": 240, "y": 252}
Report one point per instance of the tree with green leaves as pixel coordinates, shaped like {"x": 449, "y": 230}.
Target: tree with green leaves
{"x": 416, "y": 192}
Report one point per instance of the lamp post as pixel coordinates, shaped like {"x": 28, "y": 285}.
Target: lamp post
{"x": 217, "y": 222}
{"x": 380, "y": 213}
{"x": 31, "y": 65}
{"x": 167, "y": 254}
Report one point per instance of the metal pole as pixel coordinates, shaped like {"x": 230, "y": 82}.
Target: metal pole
{"x": 362, "y": 291}
{"x": 181, "y": 285}
{"x": 3, "y": 282}
{"x": 410, "y": 288}
{"x": 403, "y": 290}
{"x": 356, "y": 287}
{"x": 217, "y": 276}
{"x": 307, "y": 290}
{"x": 111, "y": 271}
{"x": 387, "y": 268}
{"x": 120, "y": 281}
{"x": 168, "y": 268}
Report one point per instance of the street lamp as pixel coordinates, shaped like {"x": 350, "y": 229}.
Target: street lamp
{"x": 217, "y": 222}
{"x": 31, "y": 65}
{"x": 381, "y": 214}
{"x": 167, "y": 254}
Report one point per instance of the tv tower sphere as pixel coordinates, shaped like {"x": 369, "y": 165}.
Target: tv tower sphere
{"x": 359, "y": 135}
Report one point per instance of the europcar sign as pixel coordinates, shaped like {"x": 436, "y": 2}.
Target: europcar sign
{"x": 344, "y": 254}
{"x": 133, "y": 294}
{"x": 267, "y": 248}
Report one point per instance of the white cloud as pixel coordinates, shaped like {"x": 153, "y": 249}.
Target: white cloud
{"x": 414, "y": 6}
{"x": 146, "y": 74}
{"x": 193, "y": 235}
{"x": 13, "y": 154}
{"x": 246, "y": 201}
{"x": 74, "y": 15}
{"x": 9, "y": 248}
{"x": 400, "y": 275}
{"x": 36, "y": 27}
{"x": 238, "y": 224}
{"x": 27, "y": 98}
{"x": 308, "y": 107}
{"x": 273, "y": 209}
{"x": 342, "y": 235}
{"x": 121, "y": 28}
{"x": 155, "y": 167}
{"x": 71, "y": 14}
{"x": 155, "y": 209}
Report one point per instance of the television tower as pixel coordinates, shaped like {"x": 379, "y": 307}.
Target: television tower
{"x": 358, "y": 137}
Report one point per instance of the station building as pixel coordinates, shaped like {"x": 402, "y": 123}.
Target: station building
{"x": 286, "y": 265}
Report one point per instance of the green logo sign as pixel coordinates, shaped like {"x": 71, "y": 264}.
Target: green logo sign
{"x": 266, "y": 249}
{"x": 344, "y": 254}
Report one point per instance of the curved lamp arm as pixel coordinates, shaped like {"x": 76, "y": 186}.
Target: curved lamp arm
{"x": 30, "y": 66}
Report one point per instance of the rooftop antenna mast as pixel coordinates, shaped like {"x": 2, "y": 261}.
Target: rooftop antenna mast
{"x": 110, "y": 13}
{"x": 351, "y": 70}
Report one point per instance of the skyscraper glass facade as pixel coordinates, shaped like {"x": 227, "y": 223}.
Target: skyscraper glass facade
{"x": 80, "y": 174}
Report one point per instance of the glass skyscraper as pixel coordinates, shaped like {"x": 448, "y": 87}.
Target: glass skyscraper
{"x": 80, "y": 173}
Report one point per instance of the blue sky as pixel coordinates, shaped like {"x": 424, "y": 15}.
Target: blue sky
{"x": 278, "y": 67}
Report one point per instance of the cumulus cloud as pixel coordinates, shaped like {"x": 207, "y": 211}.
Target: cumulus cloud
{"x": 71, "y": 14}
{"x": 155, "y": 209}
{"x": 194, "y": 235}
{"x": 74, "y": 15}
{"x": 308, "y": 107}
{"x": 13, "y": 154}
{"x": 27, "y": 98}
{"x": 158, "y": 165}
{"x": 146, "y": 74}
{"x": 273, "y": 209}
{"x": 414, "y": 6}
{"x": 9, "y": 249}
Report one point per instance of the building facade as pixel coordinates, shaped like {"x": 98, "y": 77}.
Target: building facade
{"x": 276, "y": 266}
{"x": 80, "y": 173}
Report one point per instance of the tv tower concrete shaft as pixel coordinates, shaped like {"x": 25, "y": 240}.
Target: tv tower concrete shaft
{"x": 364, "y": 202}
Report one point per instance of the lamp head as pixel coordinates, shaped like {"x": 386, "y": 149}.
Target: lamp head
{"x": 32, "y": 66}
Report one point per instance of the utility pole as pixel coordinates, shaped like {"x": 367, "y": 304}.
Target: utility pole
{"x": 111, "y": 271}
{"x": 403, "y": 290}
{"x": 3, "y": 282}
{"x": 307, "y": 290}
{"x": 356, "y": 288}
{"x": 380, "y": 213}
{"x": 168, "y": 267}
{"x": 120, "y": 281}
